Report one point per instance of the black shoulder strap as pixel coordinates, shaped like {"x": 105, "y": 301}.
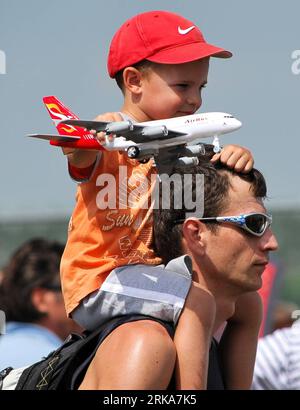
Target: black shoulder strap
{"x": 215, "y": 379}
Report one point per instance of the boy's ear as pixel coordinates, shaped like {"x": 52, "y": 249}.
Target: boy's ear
{"x": 193, "y": 232}
{"x": 132, "y": 80}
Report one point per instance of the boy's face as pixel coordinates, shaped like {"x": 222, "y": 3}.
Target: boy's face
{"x": 173, "y": 90}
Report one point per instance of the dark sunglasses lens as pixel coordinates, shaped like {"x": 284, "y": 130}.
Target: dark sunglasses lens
{"x": 256, "y": 223}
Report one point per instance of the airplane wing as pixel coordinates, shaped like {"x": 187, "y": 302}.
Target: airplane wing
{"x": 135, "y": 132}
{"x": 49, "y": 137}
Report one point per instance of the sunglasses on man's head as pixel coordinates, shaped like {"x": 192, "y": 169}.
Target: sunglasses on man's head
{"x": 255, "y": 223}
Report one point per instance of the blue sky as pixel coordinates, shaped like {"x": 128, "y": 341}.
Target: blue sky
{"x": 60, "y": 47}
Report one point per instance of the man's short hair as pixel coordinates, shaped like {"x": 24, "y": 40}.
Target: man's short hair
{"x": 168, "y": 233}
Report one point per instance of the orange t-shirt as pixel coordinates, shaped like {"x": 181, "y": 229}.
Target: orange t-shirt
{"x": 111, "y": 225}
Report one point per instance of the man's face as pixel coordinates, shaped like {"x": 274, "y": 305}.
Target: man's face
{"x": 173, "y": 90}
{"x": 234, "y": 258}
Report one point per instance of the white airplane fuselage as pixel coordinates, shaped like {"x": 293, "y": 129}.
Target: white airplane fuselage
{"x": 196, "y": 126}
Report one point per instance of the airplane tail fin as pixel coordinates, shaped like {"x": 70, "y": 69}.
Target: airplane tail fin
{"x": 59, "y": 112}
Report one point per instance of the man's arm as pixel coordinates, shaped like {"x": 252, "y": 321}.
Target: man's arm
{"x": 239, "y": 342}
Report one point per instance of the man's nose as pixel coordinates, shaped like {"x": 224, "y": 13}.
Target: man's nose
{"x": 269, "y": 241}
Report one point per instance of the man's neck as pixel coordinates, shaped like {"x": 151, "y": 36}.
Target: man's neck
{"x": 225, "y": 309}
{"x": 225, "y": 296}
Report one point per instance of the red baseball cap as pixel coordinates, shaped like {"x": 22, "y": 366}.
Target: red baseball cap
{"x": 161, "y": 37}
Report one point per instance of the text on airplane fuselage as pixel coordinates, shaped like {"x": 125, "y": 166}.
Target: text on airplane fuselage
{"x": 191, "y": 120}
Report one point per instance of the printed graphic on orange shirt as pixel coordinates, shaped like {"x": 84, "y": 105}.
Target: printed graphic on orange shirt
{"x": 116, "y": 219}
{"x": 133, "y": 255}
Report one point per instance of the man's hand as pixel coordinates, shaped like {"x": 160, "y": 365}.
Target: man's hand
{"x": 109, "y": 117}
{"x": 236, "y": 157}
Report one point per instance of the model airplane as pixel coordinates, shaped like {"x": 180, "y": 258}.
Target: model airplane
{"x": 167, "y": 141}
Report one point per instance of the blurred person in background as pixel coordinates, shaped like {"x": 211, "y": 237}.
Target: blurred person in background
{"x": 31, "y": 298}
{"x": 283, "y": 314}
{"x": 277, "y": 365}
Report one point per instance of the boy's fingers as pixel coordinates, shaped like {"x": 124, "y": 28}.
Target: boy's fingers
{"x": 240, "y": 164}
{"x": 100, "y": 137}
{"x": 243, "y": 164}
{"x": 248, "y": 166}
{"x": 235, "y": 157}
{"x": 222, "y": 156}
{"x": 215, "y": 158}
{"x": 228, "y": 156}
{"x": 107, "y": 117}
{"x": 232, "y": 160}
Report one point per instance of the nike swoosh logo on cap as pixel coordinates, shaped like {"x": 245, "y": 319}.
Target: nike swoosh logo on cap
{"x": 185, "y": 31}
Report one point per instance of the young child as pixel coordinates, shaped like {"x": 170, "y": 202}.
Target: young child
{"x": 160, "y": 61}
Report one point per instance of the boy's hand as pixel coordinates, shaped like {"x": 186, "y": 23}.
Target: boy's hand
{"x": 236, "y": 157}
{"x": 109, "y": 117}
{"x": 83, "y": 158}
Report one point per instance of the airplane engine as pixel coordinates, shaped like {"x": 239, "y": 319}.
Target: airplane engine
{"x": 119, "y": 127}
{"x": 155, "y": 132}
{"x": 191, "y": 150}
{"x": 186, "y": 161}
{"x": 134, "y": 152}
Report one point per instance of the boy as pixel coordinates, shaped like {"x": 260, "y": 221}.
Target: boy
{"x": 160, "y": 61}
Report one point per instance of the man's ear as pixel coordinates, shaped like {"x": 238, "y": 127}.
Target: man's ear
{"x": 132, "y": 80}
{"x": 193, "y": 233}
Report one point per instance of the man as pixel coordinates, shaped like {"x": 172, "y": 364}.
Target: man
{"x": 30, "y": 296}
{"x": 228, "y": 258}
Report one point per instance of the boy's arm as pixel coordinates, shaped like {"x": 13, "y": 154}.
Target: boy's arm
{"x": 236, "y": 157}
{"x": 239, "y": 342}
{"x": 81, "y": 161}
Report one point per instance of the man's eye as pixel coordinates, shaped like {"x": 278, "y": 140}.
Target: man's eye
{"x": 181, "y": 85}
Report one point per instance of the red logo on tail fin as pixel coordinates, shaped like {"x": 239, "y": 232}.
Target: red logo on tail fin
{"x": 59, "y": 112}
